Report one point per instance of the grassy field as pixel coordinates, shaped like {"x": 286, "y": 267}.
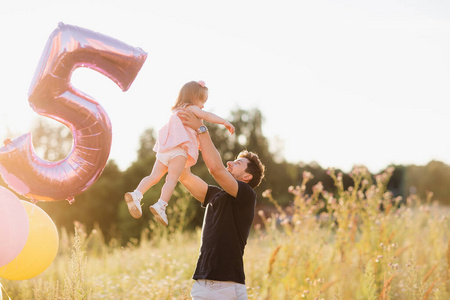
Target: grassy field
{"x": 368, "y": 245}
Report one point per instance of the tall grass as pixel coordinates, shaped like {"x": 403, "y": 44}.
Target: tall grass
{"x": 367, "y": 245}
{"x": 359, "y": 243}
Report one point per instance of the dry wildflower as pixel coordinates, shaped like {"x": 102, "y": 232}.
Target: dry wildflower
{"x": 307, "y": 175}
{"x": 369, "y": 283}
{"x": 314, "y": 275}
{"x": 360, "y": 194}
{"x": 390, "y": 170}
{"x": 355, "y": 171}
{"x": 400, "y": 251}
{"x": 381, "y": 179}
{"x": 327, "y": 285}
{"x": 272, "y": 259}
{"x": 390, "y": 237}
{"x": 386, "y": 287}
{"x": 263, "y": 217}
{"x": 430, "y": 289}
{"x": 267, "y": 193}
{"x": 298, "y": 190}
{"x": 448, "y": 261}
{"x": 371, "y": 192}
{"x": 428, "y": 274}
{"x": 318, "y": 188}
{"x": 332, "y": 200}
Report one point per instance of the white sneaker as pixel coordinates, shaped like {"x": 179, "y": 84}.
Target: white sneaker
{"x": 134, "y": 204}
{"x": 160, "y": 213}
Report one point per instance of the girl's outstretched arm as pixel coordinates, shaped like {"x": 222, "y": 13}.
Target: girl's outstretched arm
{"x": 210, "y": 117}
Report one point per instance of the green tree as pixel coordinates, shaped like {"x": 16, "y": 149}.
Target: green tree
{"x": 434, "y": 177}
{"x": 100, "y": 203}
{"x": 51, "y": 142}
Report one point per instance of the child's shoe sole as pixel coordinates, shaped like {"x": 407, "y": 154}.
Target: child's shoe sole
{"x": 158, "y": 217}
{"x": 132, "y": 207}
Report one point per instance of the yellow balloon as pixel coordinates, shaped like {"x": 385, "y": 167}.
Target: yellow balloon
{"x": 40, "y": 248}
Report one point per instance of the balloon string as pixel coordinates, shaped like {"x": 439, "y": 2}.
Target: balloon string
{"x": 32, "y": 210}
{"x": 1, "y": 292}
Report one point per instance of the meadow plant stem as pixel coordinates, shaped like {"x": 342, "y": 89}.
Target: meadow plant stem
{"x": 2, "y": 289}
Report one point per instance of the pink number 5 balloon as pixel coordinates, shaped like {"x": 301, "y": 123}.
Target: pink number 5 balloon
{"x": 52, "y": 95}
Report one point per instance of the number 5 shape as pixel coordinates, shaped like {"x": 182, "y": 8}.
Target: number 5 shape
{"x": 52, "y": 95}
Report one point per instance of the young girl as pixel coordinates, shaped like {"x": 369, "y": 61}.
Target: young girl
{"x": 176, "y": 148}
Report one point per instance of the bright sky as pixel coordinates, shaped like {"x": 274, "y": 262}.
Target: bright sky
{"x": 339, "y": 82}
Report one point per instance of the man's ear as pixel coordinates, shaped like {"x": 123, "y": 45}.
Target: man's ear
{"x": 247, "y": 177}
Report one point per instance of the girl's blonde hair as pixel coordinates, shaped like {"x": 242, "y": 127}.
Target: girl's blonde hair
{"x": 190, "y": 92}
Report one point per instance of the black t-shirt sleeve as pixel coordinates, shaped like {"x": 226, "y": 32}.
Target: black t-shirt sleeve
{"x": 245, "y": 195}
{"x": 210, "y": 194}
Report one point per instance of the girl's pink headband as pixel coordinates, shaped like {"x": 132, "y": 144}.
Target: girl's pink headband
{"x": 201, "y": 83}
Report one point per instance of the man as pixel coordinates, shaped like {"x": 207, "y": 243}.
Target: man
{"x": 229, "y": 214}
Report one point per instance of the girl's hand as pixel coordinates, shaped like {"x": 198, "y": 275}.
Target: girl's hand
{"x": 189, "y": 119}
{"x": 230, "y": 127}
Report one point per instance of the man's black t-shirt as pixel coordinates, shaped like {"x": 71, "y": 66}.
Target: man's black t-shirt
{"x": 226, "y": 226}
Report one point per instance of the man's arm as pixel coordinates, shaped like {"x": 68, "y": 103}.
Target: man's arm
{"x": 194, "y": 184}
{"x": 210, "y": 155}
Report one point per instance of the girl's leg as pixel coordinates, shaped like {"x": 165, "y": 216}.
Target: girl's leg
{"x": 176, "y": 167}
{"x": 159, "y": 169}
{"x": 133, "y": 199}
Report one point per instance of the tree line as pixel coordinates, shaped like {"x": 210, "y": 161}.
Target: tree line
{"x": 102, "y": 205}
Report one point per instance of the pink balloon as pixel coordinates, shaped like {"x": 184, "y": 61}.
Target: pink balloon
{"x": 52, "y": 95}
{"x": 14, "y": 226}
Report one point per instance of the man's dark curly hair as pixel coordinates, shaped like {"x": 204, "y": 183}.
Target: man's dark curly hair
{"x": 254, "y": 167}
